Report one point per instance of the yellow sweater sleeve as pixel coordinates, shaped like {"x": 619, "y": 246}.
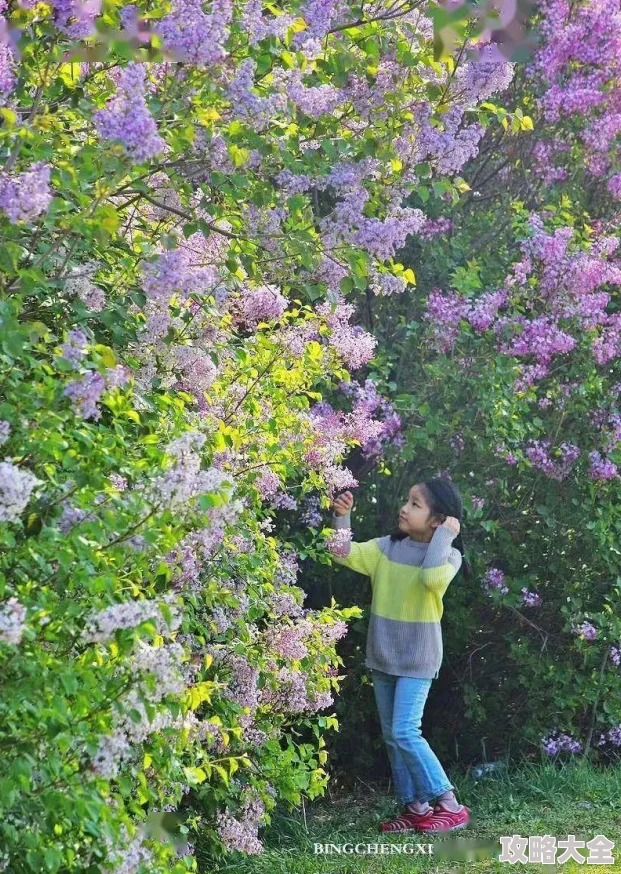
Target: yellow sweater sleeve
{"x": 363, "y": 557}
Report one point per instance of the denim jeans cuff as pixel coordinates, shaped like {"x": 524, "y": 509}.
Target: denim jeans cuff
{"x": 436, "y": 793}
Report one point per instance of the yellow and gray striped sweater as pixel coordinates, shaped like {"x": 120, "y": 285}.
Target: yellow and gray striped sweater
{"x": 408, "y": 580}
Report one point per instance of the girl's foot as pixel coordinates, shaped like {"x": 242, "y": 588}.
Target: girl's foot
{"x": 448, "y": 800}
{"x": 445, "y": 820}
{"x": 414, "y": 807}
{"x": 407, "y": 821}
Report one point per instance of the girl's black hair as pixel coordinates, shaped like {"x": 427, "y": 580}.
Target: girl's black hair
{"x": 444, "y": 500}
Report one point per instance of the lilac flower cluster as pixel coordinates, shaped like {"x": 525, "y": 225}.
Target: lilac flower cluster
{"x": 314, "y": 101}
{"x": 185, "y": 479}
{"x": 339, "y": 541}
{"x": 531, "y": 599}
{"x": 557, "y": 743}
{"x": 285, "y": 604}
{"x": 612, "y": 736}
{"x": 242, "y": 688}
{"x": 194, "y": 37}
{"x": 76, "y": 18}
{"x": 127, "y": 118}
{"x": 12, "y": 619}
{"x": 311, "y": 514}
{"x": 80, "y": 283}
{"x": 8, "y": 75}
{"x": 601, "y": 468}
{"x": 74, "y": 349}
{"x": 585, "y": 630}
{"x": 494, "y": 580}
{"x": 249, "y": 106}
{"x": 86, "y": 392}
{"x": 615, "y": 656}
{"x": 352, "y": 343}
{"x": 263, "y": 304}
{"x": 241, "y": 833}
{"x": 102, "y": 625}
{"x": 258, "y": 27}
{"x": 539, "y": 454}
{"x": 373, "y": 421}
{"x": 5, "y": 431}
{"x": 26, "y": 195}
{"x": 16, "y": 486}
{"x": 288, "y": 641}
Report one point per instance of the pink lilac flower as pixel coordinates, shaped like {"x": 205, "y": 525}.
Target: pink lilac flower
{"x": 289, "y": 641}
{"x": 26, "y": 195}
{"x": 284, "y": 604}
{"x": 127, "y": 118}
{"x": 263, "y": 304}
{"x": 339, "y": 542}
{"x": 352, "y": 343}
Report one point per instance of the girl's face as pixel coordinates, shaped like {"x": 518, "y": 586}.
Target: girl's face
{"x": 415, "y": 516}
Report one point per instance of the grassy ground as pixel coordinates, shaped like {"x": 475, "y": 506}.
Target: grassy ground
{"x": 525, "y": 800}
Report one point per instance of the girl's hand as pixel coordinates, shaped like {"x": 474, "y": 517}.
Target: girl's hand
{"x": 452, "y": 523}
{"x": 343, "y": 504}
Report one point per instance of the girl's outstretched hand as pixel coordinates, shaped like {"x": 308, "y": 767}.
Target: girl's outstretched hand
{"x": 343, "y": 504}
{"x": 452, "y": 523}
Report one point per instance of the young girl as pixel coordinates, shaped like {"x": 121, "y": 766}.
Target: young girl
{"x": 410, "y": 571}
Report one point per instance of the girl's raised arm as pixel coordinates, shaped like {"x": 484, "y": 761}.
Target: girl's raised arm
{"x": 442, "y": 560}
{"x": 361, "y": 557}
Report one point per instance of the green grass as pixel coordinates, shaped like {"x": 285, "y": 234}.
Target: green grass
{"x": 558, "y": 800}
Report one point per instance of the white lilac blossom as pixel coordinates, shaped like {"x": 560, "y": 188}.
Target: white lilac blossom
{"x": 80, "y": 284}
{"x": 12, "y": 618}
{"x": 128, "y": 858}
{"x": 16, "y": 486}
{"x": 5, "y": 431}
{"x": 102, "y": 625}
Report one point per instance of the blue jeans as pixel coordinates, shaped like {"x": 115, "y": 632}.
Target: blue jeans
{"x": 417, "y": 773}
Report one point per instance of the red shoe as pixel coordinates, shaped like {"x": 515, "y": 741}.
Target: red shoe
{"x": 445, "y": 820}
{"x": 407, "y": 822}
